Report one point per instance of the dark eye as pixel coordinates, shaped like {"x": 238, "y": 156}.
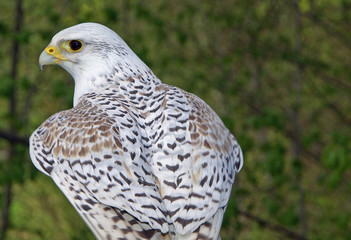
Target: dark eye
{"x": 75, "y": 45}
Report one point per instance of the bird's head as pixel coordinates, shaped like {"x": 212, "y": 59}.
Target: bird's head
{"x": 91, "y": 53}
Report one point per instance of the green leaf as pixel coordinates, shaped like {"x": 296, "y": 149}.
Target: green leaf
{"x": 6, "y": 86}
{"x": 272, "y": 205}
{"x": 111, "y": 14}
{"x": 335, "y": 157}
{"x": 3, "y": 29}
{"x": 289, "y": 217}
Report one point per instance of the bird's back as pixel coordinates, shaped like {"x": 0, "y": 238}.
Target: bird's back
{"x": 156, "y": 155}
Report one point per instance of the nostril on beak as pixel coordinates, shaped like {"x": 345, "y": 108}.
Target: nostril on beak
{"x": 50, "y": 50}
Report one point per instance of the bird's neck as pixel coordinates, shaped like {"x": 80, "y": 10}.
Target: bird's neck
{"x": 119, "y": 77}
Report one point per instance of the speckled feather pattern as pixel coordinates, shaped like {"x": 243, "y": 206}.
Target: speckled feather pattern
{"x": 140, "y": 159}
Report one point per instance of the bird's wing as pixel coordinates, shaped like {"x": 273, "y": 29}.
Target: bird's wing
{"x": 195, "y": 161}
{"x": 182, "y": 177}
{"x": 104, "y": 154}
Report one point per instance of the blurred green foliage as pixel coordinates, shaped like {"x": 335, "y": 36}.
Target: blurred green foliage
{"x": 277, "y": 72}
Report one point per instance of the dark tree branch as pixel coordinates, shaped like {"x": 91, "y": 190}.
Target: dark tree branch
{"x": 13, "y": 138}
{"x": 345, "y": 118}
{"x": 330, "y": 29}
{"x": 275, "y": 227}
{"x": 295, "y": 119}
{"x": 7, "y": 191}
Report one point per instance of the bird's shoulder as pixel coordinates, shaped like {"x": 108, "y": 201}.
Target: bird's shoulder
{"x": 190, "y": 121}
{"x": 84, "y": 129}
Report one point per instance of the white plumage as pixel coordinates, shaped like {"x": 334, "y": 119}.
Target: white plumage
{"x": 137, "y": 158}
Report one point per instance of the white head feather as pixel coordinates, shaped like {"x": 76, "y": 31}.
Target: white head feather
{"x": 103, "y": 55}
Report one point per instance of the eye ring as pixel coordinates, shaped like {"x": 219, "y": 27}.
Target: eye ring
{"x": 75, "y": 45}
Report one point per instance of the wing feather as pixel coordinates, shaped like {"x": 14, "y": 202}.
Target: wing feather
{"x": 105, "y": 155}
{"x": 195, "y": 162}
{"x": 169, "y": 164}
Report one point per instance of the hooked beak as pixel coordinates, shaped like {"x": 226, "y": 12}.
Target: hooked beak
{"x": 50, "y": 55}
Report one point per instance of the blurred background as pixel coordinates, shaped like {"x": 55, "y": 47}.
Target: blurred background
{"x": 277, "y": 72}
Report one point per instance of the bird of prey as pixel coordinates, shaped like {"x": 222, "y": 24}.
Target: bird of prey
{"x": 137, "y": 158}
